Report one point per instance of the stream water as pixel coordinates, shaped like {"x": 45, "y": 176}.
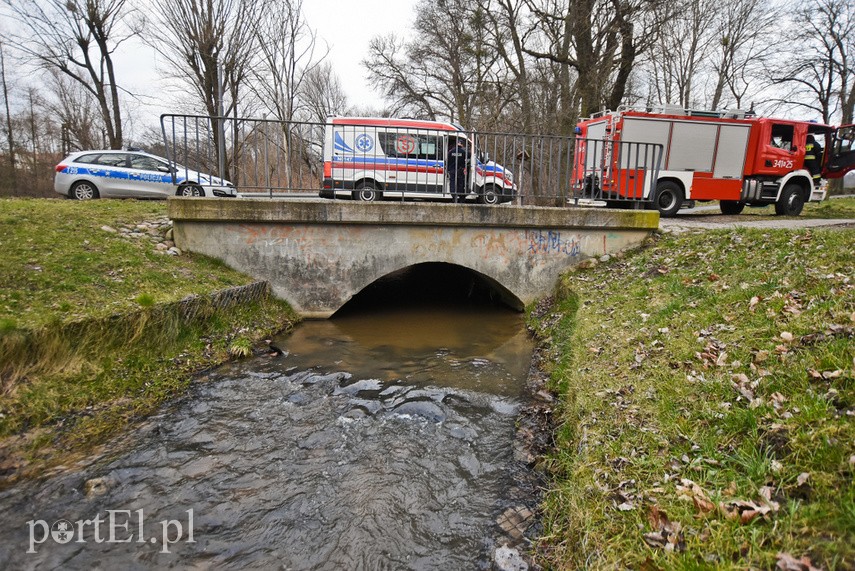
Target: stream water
{"x": 381, "y": 440}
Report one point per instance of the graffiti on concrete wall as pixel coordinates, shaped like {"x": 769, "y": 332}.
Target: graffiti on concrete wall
{"x": 427, "y": 243}
{"x": 270, "y": 235}
{"x": 553, "y": 242}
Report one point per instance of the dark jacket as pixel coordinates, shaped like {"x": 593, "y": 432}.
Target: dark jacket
{"x": 457, "y": 159}
{"x": 813, "y": 157}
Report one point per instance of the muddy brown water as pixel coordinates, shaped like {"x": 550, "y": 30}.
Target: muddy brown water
{"x": 381, "y": 440}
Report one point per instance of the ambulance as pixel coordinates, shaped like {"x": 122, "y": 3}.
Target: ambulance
{"x": 371, "y": 159}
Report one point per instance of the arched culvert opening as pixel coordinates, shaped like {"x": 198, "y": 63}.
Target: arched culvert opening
{"x": 432, "y": 284}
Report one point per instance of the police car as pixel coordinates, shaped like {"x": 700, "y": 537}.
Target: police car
{"x": 132, "y": 174}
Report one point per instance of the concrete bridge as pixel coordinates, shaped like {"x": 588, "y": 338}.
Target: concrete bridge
{"x": 318, "y": 254}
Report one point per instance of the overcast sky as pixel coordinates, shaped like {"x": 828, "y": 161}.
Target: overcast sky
{"x": 346, "y": 26}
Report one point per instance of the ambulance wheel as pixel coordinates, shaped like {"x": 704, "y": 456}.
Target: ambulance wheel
{"x": 791, "y": 201}
{"x": 669, "y": 198}
{"x": 731, "y": 207}
{"x": 366, "y": 192}
{"x": 489, "y": 195}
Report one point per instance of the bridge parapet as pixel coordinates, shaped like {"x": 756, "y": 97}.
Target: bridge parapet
{"x": 317, "y": 254}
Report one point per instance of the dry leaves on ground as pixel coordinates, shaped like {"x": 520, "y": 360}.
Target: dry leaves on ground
{"x": 745, "y": 511}
{"x": 668, "y": 534}
{"x": 735, "y": 510}
{"x": 690, "y": 490}
{"x": 787, "y": 562}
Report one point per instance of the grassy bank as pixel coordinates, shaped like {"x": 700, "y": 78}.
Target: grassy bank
{"x": 100, "y": 323}
{"x": 831, "y": 208}
{"x": 708, "y": 402}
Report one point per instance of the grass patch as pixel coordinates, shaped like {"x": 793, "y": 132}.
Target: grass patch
{"x": 62, "y": 262}
{"x": 98, "y": 327}
{"x": 830, "y": 208}
{"x": 709, "y": 378}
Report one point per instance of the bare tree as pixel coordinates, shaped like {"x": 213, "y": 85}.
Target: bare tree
{"x": 561, "y": 27}
{"x": 76, "y": 110}
{"x": 746, "y": 37}
{"x": 820, "y": 71}
{"x": 287, "y": 49}
{"x": 10, "y": 137}
{"x": 77, "y": 38}
{"x": 37, "y": 144}
{"x": 323, "y": 94}
{"x": 209, "y": 44}
{"x": 682, "y": 48}
{"x": 596, "y": 44}
{"x": 389, "y": 68}
{"x": 507, "y": 33}
{"x": 445, "y": 71}
{"x": 287, "y": 62}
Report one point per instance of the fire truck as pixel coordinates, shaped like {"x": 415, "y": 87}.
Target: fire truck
{"x": 668, "y": 158}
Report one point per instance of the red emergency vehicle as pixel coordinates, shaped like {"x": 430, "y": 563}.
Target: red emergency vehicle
{"x": 670, "y": 157}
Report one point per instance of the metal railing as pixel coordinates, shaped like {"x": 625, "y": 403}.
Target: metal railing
{"x": 617, "y": 173}
{"x": 253, "y": 154}
{"x": 265, "y": 157}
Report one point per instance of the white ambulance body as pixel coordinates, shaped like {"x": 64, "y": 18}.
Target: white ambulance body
{"x": 375, "y": 158}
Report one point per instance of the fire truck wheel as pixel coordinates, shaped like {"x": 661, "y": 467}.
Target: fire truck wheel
{"x": 489, "y": 195}
{"x": 366, "y": 192}
{"x": 669, "y": 198}
{"x": 791, "y": 202}
{"x": 731, "y": 207}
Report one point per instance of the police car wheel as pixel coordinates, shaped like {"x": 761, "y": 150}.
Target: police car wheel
{"x": 489, "y": 195}
{"x": 366, "y": 192}
{"x": 84, "y": 190}
{"x": 190, "y": 190}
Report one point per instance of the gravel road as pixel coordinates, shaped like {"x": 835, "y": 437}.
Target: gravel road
{"x": 688, "y": 221}
{"x": 707, "y": 217}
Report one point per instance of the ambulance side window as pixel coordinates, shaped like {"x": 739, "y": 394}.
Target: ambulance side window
{"x": 410, "y": 146}
{"x": 387, "y": 142}
{"x": 782, "y": 136}
{"x": 430, "y": 147}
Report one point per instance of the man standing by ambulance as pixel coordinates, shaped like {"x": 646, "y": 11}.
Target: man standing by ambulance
{"x": 456, "y": 162}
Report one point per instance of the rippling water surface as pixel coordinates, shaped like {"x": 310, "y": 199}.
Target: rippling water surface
{"x": 379, "y": 441}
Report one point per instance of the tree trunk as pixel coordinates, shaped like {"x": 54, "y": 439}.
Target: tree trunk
{"x": 9, "y": 135}
{"x": 625, "y": 65}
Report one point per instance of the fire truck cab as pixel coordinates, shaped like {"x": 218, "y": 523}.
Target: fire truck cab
{"x": 730, "y": 156}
